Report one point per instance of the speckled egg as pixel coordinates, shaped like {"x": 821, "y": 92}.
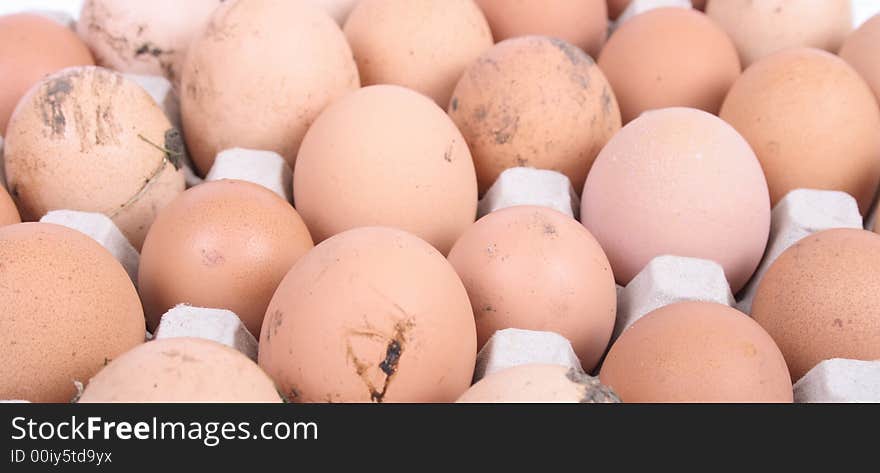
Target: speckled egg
{"x": 678, "y": 181}
{"x": 421, "y": 44}
{"x": 223, "y": 244}
{"x": 761, "y": 28}
{"x": 386, "y": 155}
{"x": 535, "y": 383}
{"x": 812, "y": 121}
{"x": 88, "y": 139}
{"x": 258, "y": 76}
{"x": 181, "y": 370}
{"x": 536, "y": 102}
{"x": 819, "y": 299}
{"x": 68, "y": 309}
{"x": 696, "y": 352}
{"x": 583, "y": 23}
{"x": 534, "y": 268}
{"x": 370, "y": 315}
{"x": 669, "y": 57}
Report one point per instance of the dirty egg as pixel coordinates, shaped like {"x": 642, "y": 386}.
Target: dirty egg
{"x": 370, "y": 315}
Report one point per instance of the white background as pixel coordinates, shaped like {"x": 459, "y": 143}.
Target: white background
{"x": 862, "y": 9}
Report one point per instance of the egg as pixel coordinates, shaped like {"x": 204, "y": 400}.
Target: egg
{"x": 32, "y": 46}
{"x": 143, "y": 37}
{"x": 370, "y": 315}
{"x": 181, "y": 370}
{"x": 86, "y": 138}
{"x": 424, "y": 45}
{"x": 535, "y": 102}
{"x": 696, "y": 352}
{"x": 761, "y": 28}
{"x": 223, "y": 244}
{"x": 68, "y": 309}
{"x": 812, "y": 121}
{"x": 678, "y": 181}
{"x": 819, "y": 299}
{"x": 259, "y": 75}
{"x": 583, "y": 23}
{"x": 386, "y": 156}
{"x": 536, "y": 383}
{"x": 861, "y": 49}
{"x": 669, "y": 57}
{"x": 534, "y": 268}
{"x": 338, "y": 9}
{"x": 8, "y": 212}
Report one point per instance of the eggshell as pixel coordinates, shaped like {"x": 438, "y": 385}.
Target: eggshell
{"x": 181, "y": 370}
{"x": 424, "y": 45}
{"x": 812, "y": 121}
{"x": 88, "y": 139}
{"x": 32, "y": 46}
{"x": 8, "y": 212}
{"x": 68, "y": 309}
{"x": 538, "y": 384}
{"x": 861, "y": 50}
{"x": 761, "y": 28}
{"x": 143, "y": 37}
{"x": 534, "y": 102}
{"x": 224, "y": 244}
{"x": 696, "y": 352}
{"x": 386, "y": 155}
{"x": 372, "y": 314}
{"x": 681, "y": 182}
{"x": 259, "y": 74}
{"x": 583, "y": 23}
{"x": 669, "y": 57}
{"x": 819, "y": 299}
{"x": 534, "y": 268}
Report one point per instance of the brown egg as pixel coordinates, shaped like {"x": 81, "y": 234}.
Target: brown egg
{"x": 538, "y": 384}
{"x": 678, "y": 181}
{"x": 371, "y": 315}
{"x": 68, "y": 309}
{"x": 258, "y": 76}
{"x": 32, "y": 46}
{"x": 88, "y": 139}
{"x": 534, "y": 268}
{"x": 583, "y": 23}
{"x": 143, "y": 37}
{"x": 386, "y": 156}
{"x": 812, "y": 121}
{"x": 761, "y": 28}
{"x": 696, "y": 352}
{"x": 8, "y": 212}
{"x": 536, "y": 102}
{"x": 819, "y": 300}
{"x": 224, "y": 244}
{"x": 181, "y": 370}
{"x": 861, "y": 50}
{"x": 421, "y": 44}
{"x": 669, "y": 57}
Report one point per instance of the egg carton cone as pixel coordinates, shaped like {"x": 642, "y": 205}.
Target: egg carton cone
{"x": 2, "y": 166}
{"x": 863, "y": 10}
{"x": 265, "y": 168}
{"x": 667, "y": 280}
{"x": 219, "y": 325}
{"x": 514, "y": 347}
{"x": 637, "y": 7}
{"x": 62, "y": 17}
{"x": 163, "y": 93}
{"x": 799, "y": 214}
{"x": 839, "y": 380}
{"x": 101, "y": 229}
{"x": 530, "y": 186}
{"x": 337, "y": 9}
